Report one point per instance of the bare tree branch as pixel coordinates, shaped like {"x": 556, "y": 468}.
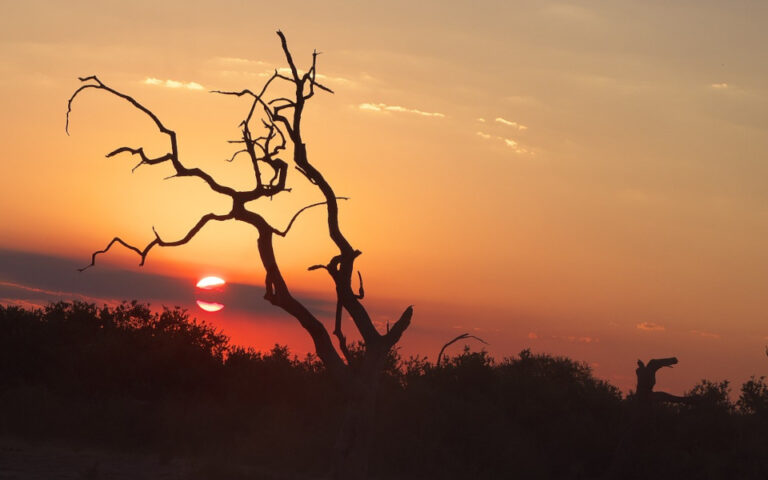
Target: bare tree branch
{"x": 342, "y": 275}
{"x": 396, "y": 331}
{"x": 288, "y": 56}
{"x": 173, "y": 157}
{"x": 460, "y": 337}
{"x": 140, "y": 152}
{"x": 158, "y": 241}
{"x": 290, "y": 224}
{"x": 360, "y": 292}
{"x": 99, "y": 85}
{"x": 258, "y": 100}
{"x": 282, "y": 99}
{"x": 340, "y": 336}
{"x": 321, "y": 87}
{"x": 232, "y": 158}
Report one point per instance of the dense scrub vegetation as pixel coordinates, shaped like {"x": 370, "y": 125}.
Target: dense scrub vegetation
{"x": 131, "y": 379}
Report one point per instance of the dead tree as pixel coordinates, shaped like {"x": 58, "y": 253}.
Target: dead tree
{"x": 280, "y": 131}
{"x": 646, "y": 380}
{"x": 641, "y": 430}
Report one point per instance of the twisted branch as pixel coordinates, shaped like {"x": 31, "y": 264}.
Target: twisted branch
{"x": 172, "y": 156}
{"x": 157, "y": 241}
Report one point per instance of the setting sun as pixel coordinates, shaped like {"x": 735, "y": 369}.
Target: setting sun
{"x": 210, "y": 306}
{"x": 210, "y": 282}
{"x": 210, "y": 290}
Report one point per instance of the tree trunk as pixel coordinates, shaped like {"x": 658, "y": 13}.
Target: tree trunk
{"x": 353, "y": 443}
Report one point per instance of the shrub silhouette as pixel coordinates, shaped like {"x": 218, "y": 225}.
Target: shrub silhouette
{"x": 129, "y": 378}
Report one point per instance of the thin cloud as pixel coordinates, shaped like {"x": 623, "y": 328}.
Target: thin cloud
{"x": 510, "y": 123}
{"x": 511, "y": 143}
{"x": 705, "y": 334}
{"x": 28, "y": 288}
{"x": 382, "y": 107}
{"x": 650, "y": 327}
{"x": 481, "y": 120}
{"x": 173, "y": 84}
{"x": 719, "y": 86}
{"x": 332, "y": 80}
{"x": 515, "y": 146}
{"x": 26, "y": 295}
{"x": 582, "y": 339}
{"x": 242, "y": 62}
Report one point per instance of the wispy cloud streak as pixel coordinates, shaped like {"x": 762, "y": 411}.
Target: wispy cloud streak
{"x": 383, "y": 107}
{"x": 173, "y": 84}
{"x": 706, "y": 334}
{"x": 650, "y": 327}
{"x": 510, "y": 123}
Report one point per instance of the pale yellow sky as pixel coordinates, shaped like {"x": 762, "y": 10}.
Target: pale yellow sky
{"x": 578, "y": 175}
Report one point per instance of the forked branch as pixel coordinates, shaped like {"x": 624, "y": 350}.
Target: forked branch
{"x": 172, "y": 156}
{"x": 157, "y": 241}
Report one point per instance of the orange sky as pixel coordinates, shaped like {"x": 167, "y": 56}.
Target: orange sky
{"x": 586, "y": 178}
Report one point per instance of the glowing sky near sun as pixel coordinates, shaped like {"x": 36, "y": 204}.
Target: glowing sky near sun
{"x": 581, "y": 178}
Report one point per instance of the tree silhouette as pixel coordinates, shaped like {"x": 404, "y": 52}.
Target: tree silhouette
{"x": 280, "y": 118}
{"x": 646, "y": 380}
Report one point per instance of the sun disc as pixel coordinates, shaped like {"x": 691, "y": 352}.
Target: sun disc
{"x": 209, "y": 306}
{"x": 210, "y": 282}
